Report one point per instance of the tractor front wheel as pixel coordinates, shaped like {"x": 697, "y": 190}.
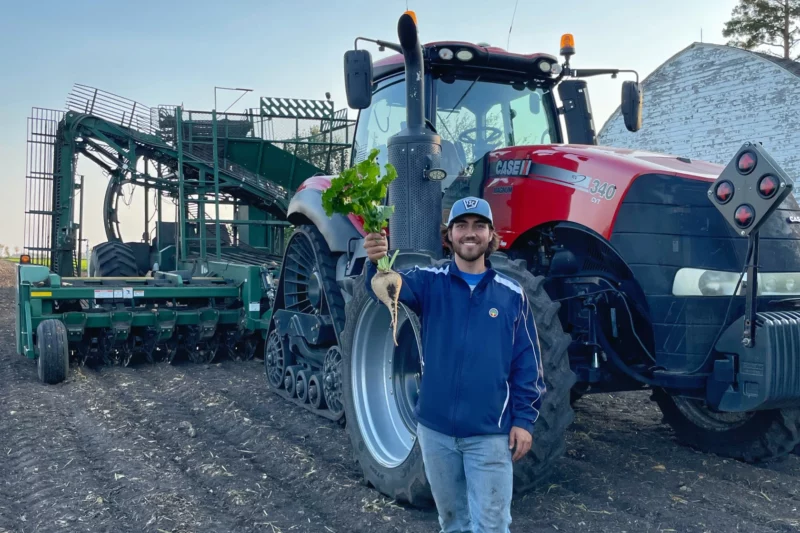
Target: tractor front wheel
{"x": 751, "y": 437}
{"x": 381, "y": 383}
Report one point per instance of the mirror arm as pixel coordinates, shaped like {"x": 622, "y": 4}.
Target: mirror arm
{"x": 382, "y": 44}
{"x": 587, "y": 72}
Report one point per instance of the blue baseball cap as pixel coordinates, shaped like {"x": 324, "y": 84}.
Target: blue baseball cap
{"x": 470, "y": 206}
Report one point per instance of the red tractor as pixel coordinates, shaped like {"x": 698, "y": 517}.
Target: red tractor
{"x": 633, "y": 261}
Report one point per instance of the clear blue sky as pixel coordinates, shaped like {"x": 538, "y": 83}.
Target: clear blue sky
{"x": 175, "y": 52}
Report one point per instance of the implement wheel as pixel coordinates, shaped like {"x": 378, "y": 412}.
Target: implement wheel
{"x": 52, "y": 345}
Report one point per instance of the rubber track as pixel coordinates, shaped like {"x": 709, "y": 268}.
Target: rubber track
{"x": 333, "y": 298}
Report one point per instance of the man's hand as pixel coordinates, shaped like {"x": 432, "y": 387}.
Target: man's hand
{"x": 522, "y": 439}
{"x": 376, "y": 246}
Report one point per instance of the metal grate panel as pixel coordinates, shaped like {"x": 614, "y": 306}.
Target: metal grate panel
{"x": 40, "y": 158}
{"x": 418, "y": 202}
{"x": 296, "y": 108}
{"x": 111, "y": 107}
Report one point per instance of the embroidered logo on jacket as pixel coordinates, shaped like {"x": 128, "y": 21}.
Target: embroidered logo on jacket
{"x": 493, "y": 312}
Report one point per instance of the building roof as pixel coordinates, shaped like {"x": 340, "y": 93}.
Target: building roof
{"x": 789, "y": 64}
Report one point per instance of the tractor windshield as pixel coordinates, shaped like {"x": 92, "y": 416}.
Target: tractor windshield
{"x": 474, "y": 117}
{"x": 471, "y": 115}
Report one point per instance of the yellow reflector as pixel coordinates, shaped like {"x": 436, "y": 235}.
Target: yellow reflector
{"x": 412, "y": 15}
{"x": 41, "y": 294}
{"x": 567, "y": 41}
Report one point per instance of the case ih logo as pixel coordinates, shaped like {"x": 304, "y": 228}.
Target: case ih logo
{"x": 513, "y": 167}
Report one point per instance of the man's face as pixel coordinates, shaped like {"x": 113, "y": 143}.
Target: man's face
{"x": 470, "y": 236}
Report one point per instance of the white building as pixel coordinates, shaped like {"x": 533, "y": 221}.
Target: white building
{"x": 708, "y": 99}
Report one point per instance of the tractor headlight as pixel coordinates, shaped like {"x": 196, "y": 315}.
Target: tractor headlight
{"x": 701, "y": 282}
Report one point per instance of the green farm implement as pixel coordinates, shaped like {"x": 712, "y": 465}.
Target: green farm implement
{"x": 191, "y": 285}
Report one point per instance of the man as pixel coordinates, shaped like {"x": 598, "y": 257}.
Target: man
{"x": 482, "y": 380}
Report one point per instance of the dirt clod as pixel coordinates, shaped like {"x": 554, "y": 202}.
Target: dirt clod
{"x": 189, "y": 428}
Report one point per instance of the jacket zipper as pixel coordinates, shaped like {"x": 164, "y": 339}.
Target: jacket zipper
{"x": 460, "y": 364}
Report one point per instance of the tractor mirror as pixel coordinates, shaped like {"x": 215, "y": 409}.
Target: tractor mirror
{"x": 535, "y": 103}
{"x": 632, "y": 105}
{"x": 358, "y": 78}
{"x": 749, "y": 189}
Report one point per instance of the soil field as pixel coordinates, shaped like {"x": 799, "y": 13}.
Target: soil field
{"x": 208, "y": 448}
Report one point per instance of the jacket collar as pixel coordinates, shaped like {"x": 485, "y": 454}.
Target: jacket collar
{"x": 489, "y": 275}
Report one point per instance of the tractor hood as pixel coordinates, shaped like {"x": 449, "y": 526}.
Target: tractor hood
{"x": 625, "y": 195}
{"x": 617, "y": 165}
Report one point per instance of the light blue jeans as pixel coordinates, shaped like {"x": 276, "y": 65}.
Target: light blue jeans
{"x": 471, "y": 480}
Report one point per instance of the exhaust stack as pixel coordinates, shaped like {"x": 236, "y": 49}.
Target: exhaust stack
{"x": 418, "y": 200}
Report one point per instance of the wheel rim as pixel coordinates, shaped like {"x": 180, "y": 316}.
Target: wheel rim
{"x": 302, "y": 291}
{"x": 332, "y": 380}
{"x": 700, "y": 414}
{"x": 385, "y": 381}
{"x": 274, "y": 360}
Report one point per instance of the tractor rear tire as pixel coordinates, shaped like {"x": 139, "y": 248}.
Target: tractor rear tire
{"x": 751, "y": 437}
{"x": 401, "y": 476}
{"x": 113, "y": 259}
{"x": 52, "y": 345}
{"x": 556, "y": 413}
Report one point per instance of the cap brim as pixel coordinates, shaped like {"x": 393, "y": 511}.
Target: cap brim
{"x": 459, "y": 217}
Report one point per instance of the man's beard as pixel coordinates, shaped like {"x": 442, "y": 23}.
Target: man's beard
{"x": 470, "y": 253}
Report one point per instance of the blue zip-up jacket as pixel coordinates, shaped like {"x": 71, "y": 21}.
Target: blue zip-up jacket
{"x": 481, "y": 359}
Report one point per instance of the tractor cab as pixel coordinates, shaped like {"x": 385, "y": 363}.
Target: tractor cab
{"x": 478, "y": 99}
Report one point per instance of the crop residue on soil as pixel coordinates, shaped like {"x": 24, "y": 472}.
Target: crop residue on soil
{"x": 208, "y": 448}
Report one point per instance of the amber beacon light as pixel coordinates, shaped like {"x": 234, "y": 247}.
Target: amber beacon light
{"x": 567, "y": 45}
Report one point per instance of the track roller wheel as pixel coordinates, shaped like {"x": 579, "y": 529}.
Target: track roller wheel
{"x": 315, "y": 391}
{"x": 290, "y": 379}
{"x": 52, "y": 345}
{"x": 301, "y": 385}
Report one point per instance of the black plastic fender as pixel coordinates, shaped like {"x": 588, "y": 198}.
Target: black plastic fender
{"x": 306, "y": 208}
